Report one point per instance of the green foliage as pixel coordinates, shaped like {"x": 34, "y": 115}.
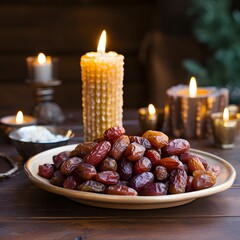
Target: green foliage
{"x": 217, "y": 27}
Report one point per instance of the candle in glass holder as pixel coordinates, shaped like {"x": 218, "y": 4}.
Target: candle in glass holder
{"x": 10, "y": 123}
{"x": 40, "y": 68}
{"x": 102, "y": 90}
{"x": 150, "y": 118}
{"x": 224, "y": 129}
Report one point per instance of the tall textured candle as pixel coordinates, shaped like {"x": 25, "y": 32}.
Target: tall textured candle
{"x": 102, "y": 90}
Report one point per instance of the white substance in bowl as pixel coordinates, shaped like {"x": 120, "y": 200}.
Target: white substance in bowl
{"x": 39, "y": 134}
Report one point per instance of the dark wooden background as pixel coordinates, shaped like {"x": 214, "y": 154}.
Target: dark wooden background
{"x": 68, "y": 29}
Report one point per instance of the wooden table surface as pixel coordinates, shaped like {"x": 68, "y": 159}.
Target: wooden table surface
{"x": 28, "y": 212}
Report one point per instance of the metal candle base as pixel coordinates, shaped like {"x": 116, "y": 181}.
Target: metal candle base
{"x": 190, "y": 117}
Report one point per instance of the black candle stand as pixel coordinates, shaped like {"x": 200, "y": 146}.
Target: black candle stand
{"x": 46, "y": 110}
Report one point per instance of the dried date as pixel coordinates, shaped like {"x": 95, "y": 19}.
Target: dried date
{"x": 155, "y": 189}
{"x": 142, "y": 165}
{"x": 121, "y": 190}
{"x": 107, "y": 177}
{"x": 98, "y": 153}
{"x": 113, "y": 133}
{"x": 176, "y": 147}
{"x": 156, "y": 138}
{"x": 46, "y": 170}
{"x": 140, "y": 140}
{"x": 178, "y": 181}
{"x": 92, "y": 186}
{"x": 139, "y": 181}
{"x": 70, "y": 165}
{"x": 119, "y": 147}
{"x": 134, "y": 151}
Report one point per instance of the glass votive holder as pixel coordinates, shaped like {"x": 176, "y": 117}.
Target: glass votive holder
{"x": 224, "y": 131}
{"x": 41, "y": 68}
{"x": 9, "y": 124}
{"x": 150, "y": 120}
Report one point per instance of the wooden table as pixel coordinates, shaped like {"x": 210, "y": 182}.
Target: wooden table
{"x": 27, "y": 212}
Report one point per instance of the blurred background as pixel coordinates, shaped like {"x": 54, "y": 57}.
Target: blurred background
{"x": 155, "y": 37}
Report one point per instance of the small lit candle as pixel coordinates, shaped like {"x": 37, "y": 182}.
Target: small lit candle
{"x": 40, "y": 68}
{"x": 18, "y": 120}
{"x": 102, "y": 90}
{"x": 150, "y": 118}
{"x": 224, "y": 129}
{"x": 12, "y": 122}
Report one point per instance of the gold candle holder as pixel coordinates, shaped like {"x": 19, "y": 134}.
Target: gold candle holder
{"x": 150, "y": 118}
{"x": 102, "y": 90}
{"x": 187, "y": 114}
{"x": 224, "y": 129}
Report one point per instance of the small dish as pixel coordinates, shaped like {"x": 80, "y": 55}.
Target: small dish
{"x": 28, "y": 148}
{"x": 224, "y": 181}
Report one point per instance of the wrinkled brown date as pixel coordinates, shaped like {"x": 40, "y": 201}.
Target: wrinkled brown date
{"x": 70, "y": 165}
{"x": 176, "y": 147}
{"x": 98, "y": 153}
{"x": 108, "y": 164}
{"x": 60, "y": 158}
{"x": 160, "y": 173}
{"x": 139, "y": 181}
{"x": 142, "y": 165}
{"x": 107, "y": 177}
{"x": 71, "y": 182}
{"x": 119, "y": 147}
{"x": 134, "y": 151}
{"x": 121, "y": 190}
{"x": 113, "y": 132}
{"x": 46, "y": 170}
{"x": 203, "y": 180}
{"x": 86, "y": 171}
{"x": 58, "y": 178}
{"x": 156, "y": 138}
{"x": 178, "y": 181}
{"x": 92, "y": 186}
{"x": 82, "y": 149}
{"x": 154, "y": 189}
{"x": 154, "y": 156}
{"x": 140, "y": 140}
{"x": 195, "y": 164}
{"x": 186, "y": 156}
{"x": 171, "y": 163}
{"x": 125, "y": 168}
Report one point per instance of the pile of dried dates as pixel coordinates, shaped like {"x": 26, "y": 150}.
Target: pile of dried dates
{"x": 150, "y": 165}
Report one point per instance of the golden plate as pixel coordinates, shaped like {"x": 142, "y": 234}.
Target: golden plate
{"x": 224, "y": 181}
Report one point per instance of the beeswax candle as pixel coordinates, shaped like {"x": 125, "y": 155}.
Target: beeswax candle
{"x": 102, "y": 90}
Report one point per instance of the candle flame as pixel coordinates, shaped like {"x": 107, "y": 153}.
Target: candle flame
{"x": 193, "y": 87}
{"x": 102, "y": 42}
{"x": 151, "y": 109}
{"x": 19, "y": 117}
{"x": 41, "y": 58}
{"x": 226, "y": 114}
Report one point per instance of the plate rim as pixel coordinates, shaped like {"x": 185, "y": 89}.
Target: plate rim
{"x": 113, "y": 199}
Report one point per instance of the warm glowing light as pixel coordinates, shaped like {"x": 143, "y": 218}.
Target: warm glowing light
{"x": 102, "y": 42}
{"x": 226, "y": 114}
{"x": 193, "y": 87}
{"x": 19, "y": 117}
{"x": 41, "y": 58}
{"x": 151, "y": 109}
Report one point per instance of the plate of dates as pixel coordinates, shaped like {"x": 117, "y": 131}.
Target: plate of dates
{"x": 130, "y": 172}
